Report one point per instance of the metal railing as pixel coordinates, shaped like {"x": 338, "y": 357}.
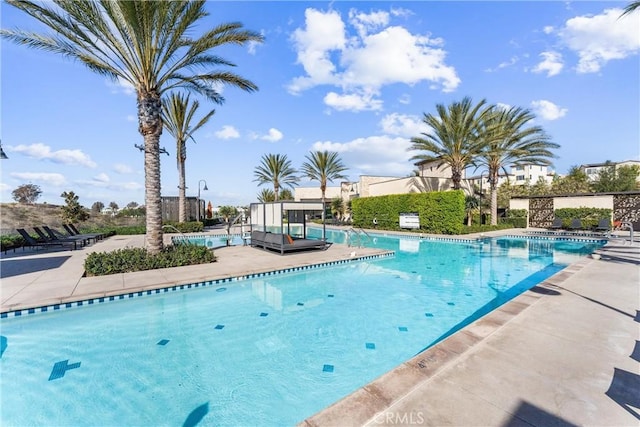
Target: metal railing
{"x": 358, "y": 235}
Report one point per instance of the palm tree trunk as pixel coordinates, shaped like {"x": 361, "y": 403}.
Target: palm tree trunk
{"x": 150, "y": 126}
{"x": 456, "y": 177}
{"x": 493, "y": 177}
{"x": 324, "y": 226}
{"x": 182, "y": 197}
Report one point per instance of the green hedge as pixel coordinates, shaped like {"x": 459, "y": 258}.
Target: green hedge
{"x": 589, "y": 216}
{"x": 138, "y": 259}
{"x": 440, "y": 212}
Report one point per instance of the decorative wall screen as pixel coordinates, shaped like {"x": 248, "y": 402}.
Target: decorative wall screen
{"x": 541, "y": 212}
{"x": 626, "y": 207}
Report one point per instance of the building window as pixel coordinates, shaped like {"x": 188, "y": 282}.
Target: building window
{"x": 519, "y": 177}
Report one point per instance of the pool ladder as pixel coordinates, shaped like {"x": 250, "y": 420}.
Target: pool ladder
{"x": 358, "y": 235}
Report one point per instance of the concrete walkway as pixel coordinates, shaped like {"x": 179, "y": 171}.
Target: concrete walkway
{"x": 565, "y": 353}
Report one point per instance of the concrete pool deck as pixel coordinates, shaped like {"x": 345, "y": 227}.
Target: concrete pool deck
{"x": 565, "y": 353}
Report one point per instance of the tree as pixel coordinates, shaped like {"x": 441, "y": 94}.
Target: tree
{"x": 266, "y": 195}
{"x": 615, "y": 179}
{"x": 26, "y": 193}
{"x": 73, "y": 211}
{"x": 276, "y": 169}
{"x": 337, "y": 208}
{"x": 132, "y": 205}
{"x": 453, "y": 138}
{"x": 575, "y": 182}
{"x": 228, "y": 212}
{"x": 471, "y": 204}
{"x": 177, "y": 114}
{"x": 114, "y": 207}
{"x": 149, "y": 45}
{"x": 507, "y": 138}
{"x": 285, "y": 194}
{"x": 323, "y": 166}
{"x": 631, "y": 7}
{"x": 97, "y": 207}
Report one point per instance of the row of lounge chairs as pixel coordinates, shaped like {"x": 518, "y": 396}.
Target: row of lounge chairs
{"x": 576, "y": 226}
{"x": 48, "y": 237}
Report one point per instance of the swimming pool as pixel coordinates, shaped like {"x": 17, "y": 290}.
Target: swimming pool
{"x": 270, "y": 350}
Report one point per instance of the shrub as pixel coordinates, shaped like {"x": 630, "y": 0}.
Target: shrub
{"x": 11, "y": 242}
{"x": 138, "y": 259}
{"x": 588, "y": 216}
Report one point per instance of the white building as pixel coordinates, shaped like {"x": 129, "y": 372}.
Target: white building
{"x": 592, "y": 170}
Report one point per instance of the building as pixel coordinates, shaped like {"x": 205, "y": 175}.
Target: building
{"x": 592, "y": 170}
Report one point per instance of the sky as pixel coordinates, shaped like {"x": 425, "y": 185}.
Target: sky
{"x": 352, "y": 77}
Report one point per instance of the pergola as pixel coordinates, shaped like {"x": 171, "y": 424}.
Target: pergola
{"x": 271, "y": 217}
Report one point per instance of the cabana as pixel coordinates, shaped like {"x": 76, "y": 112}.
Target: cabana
{"x": 269, "y": 230}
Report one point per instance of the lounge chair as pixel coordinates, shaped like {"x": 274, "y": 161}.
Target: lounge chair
{"x": 556, "y": 225}
{"x": 31, "y": 241}
{"x": 72, "y": 230}
{"x": 576, "y": 225}
{"x": 56, "y": 235}
{"x": 48, "y": 239}
{"x": 604, "y": 226}
{"x": 89, "y": 236}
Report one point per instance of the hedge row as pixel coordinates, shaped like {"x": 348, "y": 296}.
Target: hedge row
{"x": 138, "y": 259}
{"x": 588, "y": 216}
{"x": 440, "y": 212}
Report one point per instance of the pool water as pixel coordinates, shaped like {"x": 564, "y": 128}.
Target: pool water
{"x": 266, "y": 351}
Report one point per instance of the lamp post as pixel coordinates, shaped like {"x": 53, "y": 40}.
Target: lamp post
{"x": 204, "y": 189}
{"x": 481, "y": 193}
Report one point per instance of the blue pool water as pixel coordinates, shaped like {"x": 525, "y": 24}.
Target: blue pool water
{"x": 270, "y": 350}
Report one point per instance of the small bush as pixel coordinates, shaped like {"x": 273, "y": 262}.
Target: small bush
{"x": 138, "y": 259}
{"x": 11, "y": 242}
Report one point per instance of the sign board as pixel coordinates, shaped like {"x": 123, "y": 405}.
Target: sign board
{"x": 410, "y": 220}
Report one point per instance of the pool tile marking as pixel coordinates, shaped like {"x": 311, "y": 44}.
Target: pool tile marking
{"x": 264, "y": 314}
{"x": 327, "y": 368}
{"x": 370, "y": 346}
{"x": 219, "y": 327}
{"x": 61, "y": 368}
{"x": 403, "y": 328}
{"x": 163, "y": 342}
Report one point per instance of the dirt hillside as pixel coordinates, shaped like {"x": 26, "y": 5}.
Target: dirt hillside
{"x": 15, "y": 215}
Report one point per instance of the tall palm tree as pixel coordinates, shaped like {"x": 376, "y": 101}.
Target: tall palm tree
{"x": 149, "y": 45}
{"x": 323, "y": 166}
{"x": 177, "y": 114}
{"x": 276, "y": 169}
{"x": 453, "y": 137}
{"x": 507, "y": 139}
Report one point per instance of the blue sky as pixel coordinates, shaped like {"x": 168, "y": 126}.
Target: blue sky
{"x": 351, "y": 77}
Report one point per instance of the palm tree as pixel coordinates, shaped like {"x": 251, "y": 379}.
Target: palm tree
{"x": 337, "y": 208}
{"x": 177, "y": 114}
{"x": 147, "y": 44}
{"x": 266, "y": 195}
{"x": 276, "y": 169}
{"x": 471, "y": 203}
{"x": 508, "y": 139}
{"x": 630, "y": 8}
{"x": 323, "y": 166}
{"x": 453, "y": 138}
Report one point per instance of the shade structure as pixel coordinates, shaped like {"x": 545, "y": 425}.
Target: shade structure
{"x": 283, "y": 217}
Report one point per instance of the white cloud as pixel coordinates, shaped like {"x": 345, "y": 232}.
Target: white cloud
{"x": 227, "y": 132}
{"x": 132, "y": 118}
{"x": 330, "y": 55}
{"x": 548, "y": 110}
{"x": 273, "y": 135}
{"x": 403, "y": 125}
{"x": 601, "y": 38}
{"x": 551, "y": 64}
{"x": 102, "y": 177}
{"x": 548, "y": 29}
{"x": 503, "y": 106}
{"x": 506, "y": 64}
{"x": 121, "y": 86}
{"x": 374, "y": 155}
{"x": 405, "y": 99}
{"x": 54, "y": 179}
{"x": 353, "y": 102}
{"x": 43, "y": 152}
{"x": 122, "y": 169}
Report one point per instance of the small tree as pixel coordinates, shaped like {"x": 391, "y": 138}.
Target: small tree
{"x": 97, "y": 207}
{"x": 337, "y": 208}
{"x": 73, "y": 211}
{"x": 228, "y": 212}
{"x": 285, "y": 194}
{"x": 132, "y": 205}
{"x": 114, "y": 207}
{"x": 27, "y": 193}
{"x": 266, "y": 195}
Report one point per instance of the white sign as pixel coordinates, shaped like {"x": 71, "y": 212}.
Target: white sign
{"x": 410, "y": 220}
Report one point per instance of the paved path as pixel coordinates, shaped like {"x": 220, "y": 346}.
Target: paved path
{"x": 564, "y": 353}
